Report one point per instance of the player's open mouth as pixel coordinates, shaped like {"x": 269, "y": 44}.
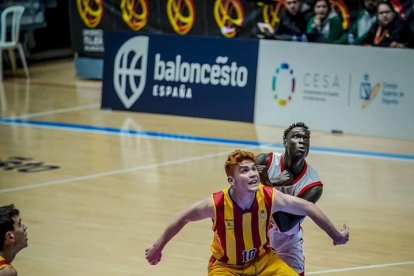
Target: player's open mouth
{"x": 302, "y": 149}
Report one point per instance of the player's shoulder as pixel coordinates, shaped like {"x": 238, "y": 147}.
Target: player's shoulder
{"x": 8, "y": 271}
{"x": 311, "y": 171}
{"x": 274, "y": 157}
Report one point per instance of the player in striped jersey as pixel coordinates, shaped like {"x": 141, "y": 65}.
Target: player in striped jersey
{"x": 13, "y": 238}
{"x": 290, "y": 174}
{"x": 241, "y": 218}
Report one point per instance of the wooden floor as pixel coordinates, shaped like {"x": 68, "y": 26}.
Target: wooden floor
{"x": 95, "y": 196}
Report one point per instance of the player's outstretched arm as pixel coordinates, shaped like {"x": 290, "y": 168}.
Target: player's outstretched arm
{"x": 298, "y": 206}
{"x": 286, "y": 221}
{"x": 198, "y": 211}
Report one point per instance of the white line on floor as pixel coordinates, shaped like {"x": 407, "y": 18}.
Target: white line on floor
{"x": 56, "y": 111}
{"x": 359, "y": 268}
{"x": 92, "y": 176}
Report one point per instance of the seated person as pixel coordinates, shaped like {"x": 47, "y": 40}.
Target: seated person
{"x": 293, "y": 19}
{"x": 325, "y": 26}
{"x": 410, "y": 21}
{"x": 362, "y": 24}
{"x": 389, "y": 30}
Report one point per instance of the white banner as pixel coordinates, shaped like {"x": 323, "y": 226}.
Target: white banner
{"x": 354, "y": 89}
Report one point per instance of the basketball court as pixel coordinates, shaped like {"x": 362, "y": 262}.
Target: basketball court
{"x": 97, "y": 187}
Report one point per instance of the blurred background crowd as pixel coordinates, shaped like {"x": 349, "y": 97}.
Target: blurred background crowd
{"x": 377, "y": 23}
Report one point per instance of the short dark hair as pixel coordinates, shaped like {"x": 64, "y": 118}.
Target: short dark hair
{"x": 292, "y": 126}
{"x": 7, "y": 213}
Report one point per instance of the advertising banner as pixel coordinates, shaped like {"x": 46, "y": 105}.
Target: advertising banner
{"x": 189, "y": 76}
{"x": 90, "y": 19}
{"x": 360, "y": 90}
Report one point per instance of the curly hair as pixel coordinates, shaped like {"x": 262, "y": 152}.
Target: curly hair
{"x": 292, "y": 126}
{"x": 235, "y": 158}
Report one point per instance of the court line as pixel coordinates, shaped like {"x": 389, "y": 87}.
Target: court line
{"x": 56, "y": 111}
{"x": 359, "y": 268}
{"x": 199, "y": 139}
{"x": 92, "y": 86}
{"x": 97, "y": 175}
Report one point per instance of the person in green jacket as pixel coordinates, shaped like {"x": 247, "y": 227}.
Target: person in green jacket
{"x": 325, "y": 26}
{"x": 365, "y": 19}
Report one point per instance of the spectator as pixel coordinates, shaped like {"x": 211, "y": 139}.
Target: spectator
{"x": 410, "y": 21}
{"x": 293, "y": 19}
{"x": 325, "y": 26}
{"x": 365, "y": 19}
{"x": 389, "y": 30}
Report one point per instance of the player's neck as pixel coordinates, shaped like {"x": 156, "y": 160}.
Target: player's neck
{"x": 8, "y": 256}
{"x": 244, "y": 200}
{"x": 294, "y": 166}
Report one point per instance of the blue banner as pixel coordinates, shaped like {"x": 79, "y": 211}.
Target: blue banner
{"x": 188, "y": 76}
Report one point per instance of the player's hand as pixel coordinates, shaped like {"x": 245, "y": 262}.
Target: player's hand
{"x": 264, "y": 178}
{"x": 343, "y": 238}
{"x": 153, "y": 255}
{"x": 261, "y": 169}
{"x": 283, "y": 179}
{"x": 317, "y": 21}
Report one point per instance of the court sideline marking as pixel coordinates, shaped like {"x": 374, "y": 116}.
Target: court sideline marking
{"x": 197, "y": 139}
{"x": 359, "y": 268}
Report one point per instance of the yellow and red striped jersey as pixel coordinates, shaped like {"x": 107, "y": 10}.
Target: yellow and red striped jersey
{"x": 4, "y": 263}
{"x": 241, "y": 235}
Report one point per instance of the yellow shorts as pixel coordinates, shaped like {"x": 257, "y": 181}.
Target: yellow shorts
{"x": 268, "y": 264}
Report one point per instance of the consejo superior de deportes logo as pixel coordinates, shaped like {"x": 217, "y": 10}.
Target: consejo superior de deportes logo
{"x": 367, "y": 91}
{"x": 283, "y": 84}
{"x": 130, "y": 70}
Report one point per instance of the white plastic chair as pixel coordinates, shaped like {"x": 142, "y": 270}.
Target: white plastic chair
{"x": 9, "y": 35}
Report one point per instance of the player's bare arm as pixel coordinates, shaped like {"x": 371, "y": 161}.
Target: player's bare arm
{"x": 198, "y": 211}
{"x": 298, "y": 206}
{"x": 285, "y": 178}
{"x": 8, "y": 271}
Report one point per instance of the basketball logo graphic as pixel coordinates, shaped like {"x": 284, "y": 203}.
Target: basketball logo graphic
{"x": 135, "y": 13}
{"x": 271, "y": 12}
{"x": 283, "y": 84}
{"x": 398, "y": 8}
{"x": 90, "y": 11}
{"x": 341, "y": 7}
{"x": 130, "y": 70}
{"x": 181, "y": 15}
{"x": 229, "y": 15}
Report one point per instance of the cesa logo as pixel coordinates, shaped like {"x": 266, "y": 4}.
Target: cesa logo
{"x": 367, "y": 91}
{"x": 181, "y": 14}
{"x": 229, "y": 16}
{"x": 135, "y": 13}
{"x": 90, "y": 12}
{"x": 283, "y": 84}
{"x": 130, "y": 70}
